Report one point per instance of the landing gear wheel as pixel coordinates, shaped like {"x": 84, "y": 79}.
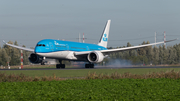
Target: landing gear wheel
{"x": 86, "y": 65}
{"x": 42, "y": 63}
{"x": 92, "y": 65}
{"x": 60, "y": 66}
{"x": 89, "y": 65}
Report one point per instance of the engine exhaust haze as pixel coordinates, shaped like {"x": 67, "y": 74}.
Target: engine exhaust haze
{"x": 118, "y": 63}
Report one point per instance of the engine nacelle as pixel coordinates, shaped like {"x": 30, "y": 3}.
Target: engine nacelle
{"x": 95, "y": 57}
{"x": 34, "y": 58}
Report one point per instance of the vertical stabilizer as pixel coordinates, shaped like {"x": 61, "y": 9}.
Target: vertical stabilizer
{"x": 104, "y": 38}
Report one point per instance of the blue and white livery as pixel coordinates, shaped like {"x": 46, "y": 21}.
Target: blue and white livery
{"x": 75, "y": 51}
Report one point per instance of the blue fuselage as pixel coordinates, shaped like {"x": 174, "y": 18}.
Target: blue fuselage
{"x": 50, "y": 45}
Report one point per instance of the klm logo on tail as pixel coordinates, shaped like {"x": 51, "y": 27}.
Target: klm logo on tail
{"x": 105, "y": 37}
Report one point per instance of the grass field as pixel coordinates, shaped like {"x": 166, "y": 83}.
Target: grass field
{"x": 80, "y": 90}
{"x": 118, "y": 86}
{"x": 84, "y": 72}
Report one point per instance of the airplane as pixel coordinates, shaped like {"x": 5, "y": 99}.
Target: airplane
{"x": 75, "y": 51}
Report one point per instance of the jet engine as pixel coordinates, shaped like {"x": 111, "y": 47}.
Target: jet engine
{"x": 34, "y": 58}
{"x": 95, "y": 57}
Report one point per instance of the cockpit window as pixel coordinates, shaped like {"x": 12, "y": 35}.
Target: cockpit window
{"x": 41, "y": 45}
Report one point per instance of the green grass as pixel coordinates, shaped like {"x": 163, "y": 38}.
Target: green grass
{"x": 80, "y": 90}
{"x": 84, "y": 72}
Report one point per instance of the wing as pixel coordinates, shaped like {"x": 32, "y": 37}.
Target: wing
{"x": 23, "y": 48}
{"x": 129, "y": 48}
{"x": 122, "y": 49}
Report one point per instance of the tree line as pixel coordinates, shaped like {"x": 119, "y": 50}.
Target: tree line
{"x": 148, "y": 55}
{"x": 155, "y": 55}
{"x": 12, "y": 56}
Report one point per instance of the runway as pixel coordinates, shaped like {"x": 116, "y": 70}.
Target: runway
{"x": 98, "y": 67}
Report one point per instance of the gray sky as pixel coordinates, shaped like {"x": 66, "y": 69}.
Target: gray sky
{"x": 132, "y": 21}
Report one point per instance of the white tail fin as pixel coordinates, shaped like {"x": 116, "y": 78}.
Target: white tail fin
{"x": 104, "y": 38}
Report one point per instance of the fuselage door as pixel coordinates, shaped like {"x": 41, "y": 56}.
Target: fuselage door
{"x": 87, "y": 48}
{"x": 67, "y": 47}
{"x": 51, "y": 46}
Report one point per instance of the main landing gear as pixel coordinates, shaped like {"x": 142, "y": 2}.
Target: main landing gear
{"x": 89, "y": 65}
{"x": 42, "y": 63}
{"x": 60, "y": 65}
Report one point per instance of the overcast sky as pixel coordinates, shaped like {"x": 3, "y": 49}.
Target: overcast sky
{"x": 134, "y": 21}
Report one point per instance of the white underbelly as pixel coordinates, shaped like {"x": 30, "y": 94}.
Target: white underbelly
{"x": 59, "y": 55}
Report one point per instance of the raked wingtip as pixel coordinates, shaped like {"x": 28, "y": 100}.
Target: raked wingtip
{"x": 3, "y": 41}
